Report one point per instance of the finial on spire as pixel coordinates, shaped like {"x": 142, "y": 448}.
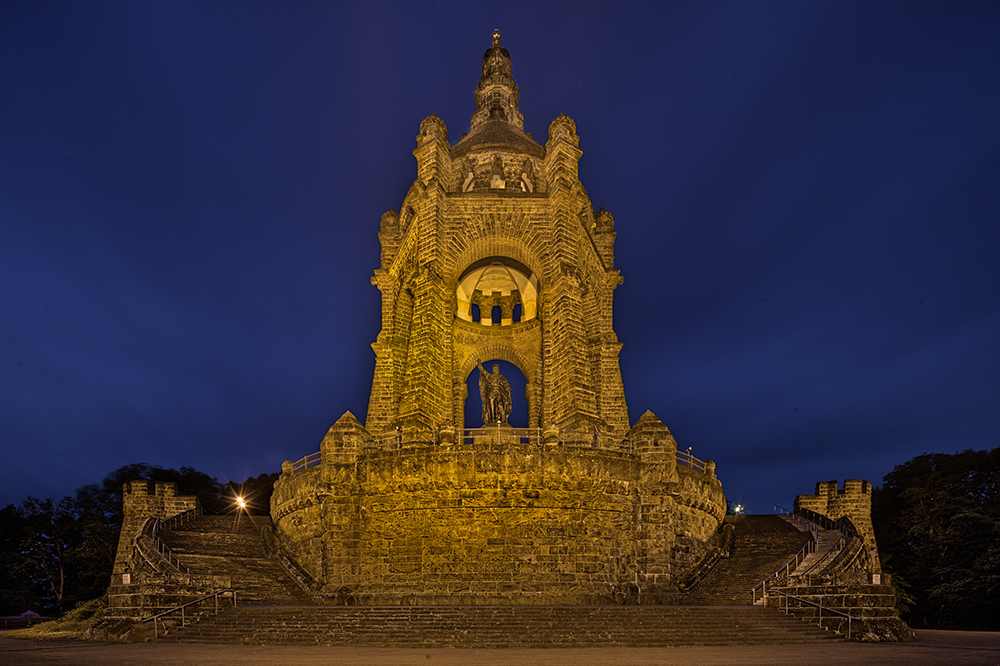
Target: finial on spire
{"x": 496, "y": 94}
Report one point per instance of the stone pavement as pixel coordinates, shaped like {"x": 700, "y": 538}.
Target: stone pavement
{"x": 944, "y": 648}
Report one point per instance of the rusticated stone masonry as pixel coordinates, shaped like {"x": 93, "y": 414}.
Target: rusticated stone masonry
{"x": 506, "y": 522}
{"x": 497, "y": 198}
{"x": 854, "y": 500}
{"x": 579, "y": 508}
{"x": 138, "y": 504}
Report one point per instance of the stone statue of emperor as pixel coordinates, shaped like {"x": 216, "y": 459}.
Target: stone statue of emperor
{"x": 494, "y": 389}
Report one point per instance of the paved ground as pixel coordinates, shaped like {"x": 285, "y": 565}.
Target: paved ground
{"x": 947, "y": 648}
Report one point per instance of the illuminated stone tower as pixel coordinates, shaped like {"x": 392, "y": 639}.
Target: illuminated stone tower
{"x": 497, "y": 253}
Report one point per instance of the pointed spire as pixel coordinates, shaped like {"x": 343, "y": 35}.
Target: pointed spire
{"x": 497, "y": 94}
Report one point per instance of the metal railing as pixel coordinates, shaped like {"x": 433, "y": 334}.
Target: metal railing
{"x": 823, "y": 521}
{"x": 687, "y": 460}
{"x": 804, "y": 523}
{"x": 790, "y": 565}
{"x": 215, "y": 595}
{"x": 850, "y": 618}
{"x": 818, "y": 565}
{"x": 182, "y": 518}
{"x": 151, "y": 528}
{"x": 273, "y": 549}
{"x": 503, "y": 435}
{"x": 310, "y": 460}
{"x": 495, "y": 435}
{"x": 723, "y": 548}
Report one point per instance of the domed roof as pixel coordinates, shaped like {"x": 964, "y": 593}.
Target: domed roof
{"x": 496, "y": 122}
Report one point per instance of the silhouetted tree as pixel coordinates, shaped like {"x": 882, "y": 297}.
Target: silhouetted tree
{"x": 55, "y": 554}
{"x": 937, "y": 518}
{"x": 256, "y": 491}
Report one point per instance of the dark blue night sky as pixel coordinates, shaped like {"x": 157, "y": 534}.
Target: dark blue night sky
{"x": 806, "y": 195}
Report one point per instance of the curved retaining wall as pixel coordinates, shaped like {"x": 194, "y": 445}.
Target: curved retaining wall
{"x": 487, "y": 524}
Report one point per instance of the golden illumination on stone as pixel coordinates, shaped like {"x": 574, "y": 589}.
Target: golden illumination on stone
{"x": 415, "y": 507}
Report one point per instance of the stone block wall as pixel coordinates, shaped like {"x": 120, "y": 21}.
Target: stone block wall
{"x": 497, "y": 523}
{"x": 138, "y": 504}
{"x": 854, "y": 500}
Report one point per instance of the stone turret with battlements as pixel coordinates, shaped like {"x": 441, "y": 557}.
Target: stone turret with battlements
{"x": 139, "y": 505}
{"x": 854, "y": 501}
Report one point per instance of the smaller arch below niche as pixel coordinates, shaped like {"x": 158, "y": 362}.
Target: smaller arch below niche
{"x": 497, "y": 282}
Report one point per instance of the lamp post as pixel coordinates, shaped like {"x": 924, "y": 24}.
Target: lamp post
{"x": 241, "y": 505}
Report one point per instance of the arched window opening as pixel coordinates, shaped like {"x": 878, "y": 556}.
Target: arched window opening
{"x": 519, "y": 402}
{"x": 497, "y": 282}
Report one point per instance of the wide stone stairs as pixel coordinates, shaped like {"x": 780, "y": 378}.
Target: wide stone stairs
{"x": 272, "y": 610}
{"x": 761, "y": 545}
{"x": 225, "y": 546}
{"x": 501, "y": 626}
{"x": 826, "y": 540}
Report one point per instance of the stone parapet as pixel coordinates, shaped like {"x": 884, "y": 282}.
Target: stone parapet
{"x": 872, "y": 609}
{"x": 149, "y": 594}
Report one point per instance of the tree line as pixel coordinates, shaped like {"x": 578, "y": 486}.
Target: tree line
{"x": 937, "y": 525}
{"x": 936, "y": 520}
{"x": 59, "y": 553}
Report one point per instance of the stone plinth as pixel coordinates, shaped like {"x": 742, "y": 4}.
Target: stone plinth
{"x": 489, "y": 523}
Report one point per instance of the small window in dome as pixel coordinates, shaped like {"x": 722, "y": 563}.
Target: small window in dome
{"x": 475, "y": 312}
{"x": 496, "y": 314}
{"x": 517, "y": 312}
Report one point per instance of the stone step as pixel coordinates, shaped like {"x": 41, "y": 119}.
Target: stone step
{"x": 761, "y": 545}
{"x": 221, "y": 546}
{"x": 501, "y": 627}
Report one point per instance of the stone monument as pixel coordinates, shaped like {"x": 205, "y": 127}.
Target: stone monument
{"x": 497, "y": 253}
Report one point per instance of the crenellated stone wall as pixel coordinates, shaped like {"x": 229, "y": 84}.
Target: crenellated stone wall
{"x": 138, "y": 504}
{"x": 854, "y": 500}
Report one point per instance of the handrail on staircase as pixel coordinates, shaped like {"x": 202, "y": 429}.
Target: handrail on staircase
{"x": 805, "y": 524}
{"x": 215, "y": 595}
{"x": 151, "y": 529}
{"x": 823, "y": 521}
{"x": 821, "y": 562}
{"x": 182, "y": 518}
{"x": 805, "y": 550}
{"x": 850, "y": 618}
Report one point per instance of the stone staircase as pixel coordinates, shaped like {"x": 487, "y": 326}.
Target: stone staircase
{"x": 825, "y": 540}
{"x": 273, "y": 610}
{"x": 223, "y": 546}
{"x": 501, "y": 627}
{"x": 761, "y": 545}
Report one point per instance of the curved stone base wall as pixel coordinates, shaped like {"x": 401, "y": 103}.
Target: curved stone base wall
{"x": 474, "y": 524}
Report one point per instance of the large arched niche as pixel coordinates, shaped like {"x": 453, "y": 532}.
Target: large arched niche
{"x": 529, "y": 365}
{"x": 519, "y": 395}
{"x": 497, "y": 282}
{"x": 505, "y": 248}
